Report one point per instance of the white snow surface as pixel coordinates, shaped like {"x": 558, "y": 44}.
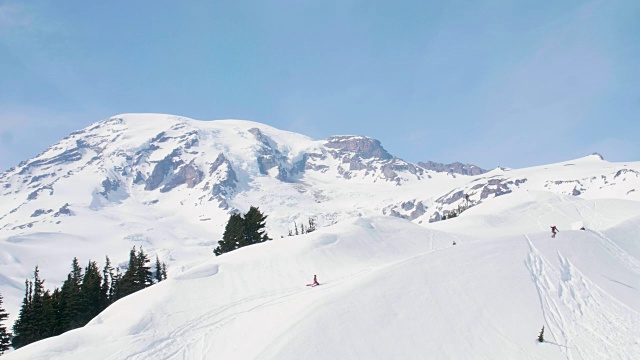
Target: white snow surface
{"x": 390, "y": 288}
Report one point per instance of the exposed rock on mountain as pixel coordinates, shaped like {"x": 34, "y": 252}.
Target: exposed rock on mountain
{"x": 456, "y": 168}
{"x": 365, "y": 154}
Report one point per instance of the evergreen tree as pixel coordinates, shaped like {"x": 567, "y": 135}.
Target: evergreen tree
{"x": 115, "y": 290}
{"x": 32, "y": 321}
{"x": 38, "y": 312}
{"x": 92, "y": 299}
{"x": 138, "y": 274}
{"x": 130, "y": 281}
{"x": 312, "y": 226}
{"x": 233, "y": 235}
{"x": 5, "y": 336}
{"x": 47, "y": 324}
{"x": 158, "y": 272}
{"x": 254, "y": 223}
{"x": 164, "y": 271}
{"x": 107, "y": 281}
{"x": 22, "y": 327}
{"x": 71, "y": 302}
{"x": 541, "y": 336}
{"x": 57, "y": 314}
{"x": 145, "y": 275}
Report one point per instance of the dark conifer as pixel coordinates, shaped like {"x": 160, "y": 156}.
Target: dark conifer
{"x": 22, "y": 333}
{"x": 107, "y": 280}
{"x": 145, "y": 275}
{"x": 164, "y": 271}
{"x": 28, "y": 327}
{"x": 91, "y": 296}
{"x": 158, "y": 272}
{"x": 233, "y": 235}
{"x": 70, "y": 298}
{"x": 130, "y": 281}
{"x": 254, "y": 223}
{"x": 541, "y": 336}
{"x": 115, "y": 290}
{"x": 5, "y": 336}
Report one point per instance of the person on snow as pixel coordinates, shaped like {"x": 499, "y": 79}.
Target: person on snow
{"x": 554, "y": 230}
{"x": 315, "y": 282}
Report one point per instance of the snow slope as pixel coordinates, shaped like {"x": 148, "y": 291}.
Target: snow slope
{"x": 393, "y": 286}
{"x": 390, "y": 289}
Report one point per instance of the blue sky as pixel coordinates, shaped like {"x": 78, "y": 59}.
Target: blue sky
{"x": 494, "y": 83}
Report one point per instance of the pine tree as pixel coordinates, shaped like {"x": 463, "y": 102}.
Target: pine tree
{"x": 158, "y": 272}
{"x": 254, "y": 223}
{"x": 22, "y": 327}
{"x": 115, "y": 290}
{"x": 48, "y": 321}
{"x": 541, "y": 336}
{"x": 32, "y": 321}
{"x": 71, "y": 299}
{"x": 57, "y": 313}
{"x": 91, "y": 296}
{"x": 38, "y": 307}
{"x": 145, "y": 275}
{"x": 164, "y": 271}
{"x": 5, "y": 336}
{"x": 233, "y": 235}
{"x": 130, "y": 281}
{"x": 312, "y": 226}
{"x": 107, "y": 281}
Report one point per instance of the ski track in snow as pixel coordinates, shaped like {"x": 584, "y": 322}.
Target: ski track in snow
{"x": 585, "y": 321}
{"x": 616, "y": 251}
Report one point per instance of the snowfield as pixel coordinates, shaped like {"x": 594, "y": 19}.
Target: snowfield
{"x": 393, "y": 284}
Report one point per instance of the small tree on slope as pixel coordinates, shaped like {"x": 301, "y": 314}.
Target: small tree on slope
{"x": 541, "y": 336}
{"x": 5, "y": 336}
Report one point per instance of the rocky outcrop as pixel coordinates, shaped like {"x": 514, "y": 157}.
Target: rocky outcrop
{"x": 64, "y": 210}
{"x": 456, "y": 168}
{"x": 461, "y": 199}
{"x": 110, "y": 185}
{"x": 224, "y": 180}
{"x": 39, "y": 212}
{"x": 409, "y": 210}
{"x": 188, "y": 174}
{"x": 363, "y": 156}
{"x": 269, "y": 157}
{"x": 163, "y": 169}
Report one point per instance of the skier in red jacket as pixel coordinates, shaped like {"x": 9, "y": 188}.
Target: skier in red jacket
{"x": 315, "y": 281}
{"x": 554, "y": 230}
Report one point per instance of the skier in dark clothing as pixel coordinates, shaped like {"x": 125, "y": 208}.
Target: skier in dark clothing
{"x": 554, "y": 230}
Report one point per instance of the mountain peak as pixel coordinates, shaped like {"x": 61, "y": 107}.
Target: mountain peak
{"x": 362, "y": 146}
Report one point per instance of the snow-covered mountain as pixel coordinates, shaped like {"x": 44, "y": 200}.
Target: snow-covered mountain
{"x": 170, "y": 183}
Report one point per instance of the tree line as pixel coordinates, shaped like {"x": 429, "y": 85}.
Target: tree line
{"x": 303, "y": 230}
{"x": 83, "y": 295}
